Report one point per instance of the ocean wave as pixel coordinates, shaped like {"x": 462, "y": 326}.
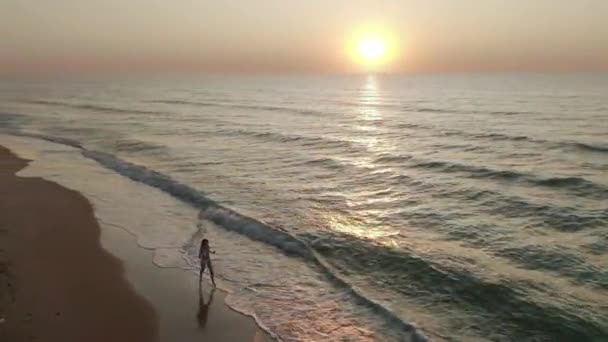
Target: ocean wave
{"x": 561, "y": 218}
{"x": 121, "y": 144}
{"x": 589, "y": 147}
{"x": 422, "y": 109}
{"x": 576, "y": 185}
{"x": 242, "y": 106}
{"x": 503, "y": 137}
{"x": 464, "y": 227}
{"x": 411, "y": 126}
{"x": 390, "y": 158}
{"x": 58, "y": 140}
{"x": 463, "y": 111}
{"x": 562, "y": 145}
{"x": 283, "y": 137}
{"x": 136, "y": 146}
{"x": 494, "y": 136}
{"x": 329, "y": 163}
{"x": 12, "y": 121}
{"x": 477, "y": 171}
{"x": 564, "y": 261}
{"x": 91, "y": 107}
{"x": 437, "y": 284}
{"x": 233, "y": 221}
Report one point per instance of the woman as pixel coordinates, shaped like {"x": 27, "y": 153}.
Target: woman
{"x": 203, "y": 254}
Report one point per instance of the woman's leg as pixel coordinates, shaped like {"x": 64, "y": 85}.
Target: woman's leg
{"x": 211, "y": 272}
{"x": 200, "y": 277}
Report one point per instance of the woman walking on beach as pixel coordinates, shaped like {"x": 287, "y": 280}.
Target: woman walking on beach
{"x": 204, "y": 255}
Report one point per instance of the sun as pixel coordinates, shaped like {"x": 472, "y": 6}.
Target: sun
{"x": 371, "y": 49}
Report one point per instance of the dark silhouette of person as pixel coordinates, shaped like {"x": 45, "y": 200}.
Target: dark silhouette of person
{"x": 203, "y": 308}
{"x": 204, "y": 254}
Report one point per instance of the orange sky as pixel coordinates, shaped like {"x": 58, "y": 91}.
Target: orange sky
{"x": 300, "y": 36}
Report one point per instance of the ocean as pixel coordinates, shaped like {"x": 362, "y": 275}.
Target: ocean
{"x": 458, "y": 207}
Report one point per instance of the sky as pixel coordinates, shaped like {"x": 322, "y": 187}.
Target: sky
{"x": 301, "y": 36}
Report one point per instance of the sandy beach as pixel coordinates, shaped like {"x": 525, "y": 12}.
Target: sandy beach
{"x": 64, "y": 278}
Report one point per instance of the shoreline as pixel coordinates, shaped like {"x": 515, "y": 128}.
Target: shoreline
{"x": 54, "y": 254}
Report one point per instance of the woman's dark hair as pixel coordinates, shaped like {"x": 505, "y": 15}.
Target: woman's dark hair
{"x": 205, "y": 241}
